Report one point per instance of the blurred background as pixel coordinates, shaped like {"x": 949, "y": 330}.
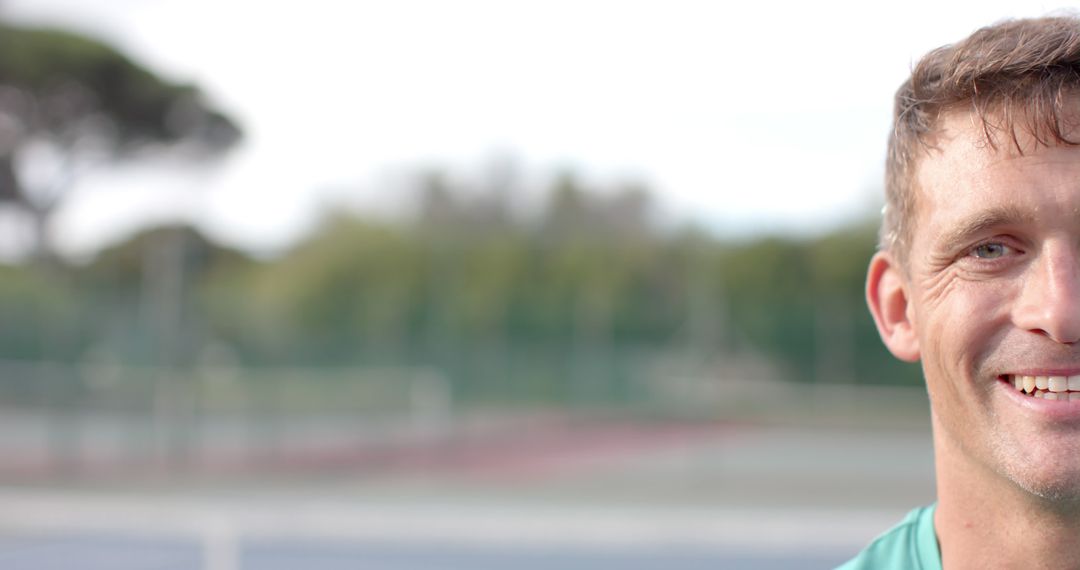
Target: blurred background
{"x": 445, "y": 285}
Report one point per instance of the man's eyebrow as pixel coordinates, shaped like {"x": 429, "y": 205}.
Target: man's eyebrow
{"x": 981, "y": 222}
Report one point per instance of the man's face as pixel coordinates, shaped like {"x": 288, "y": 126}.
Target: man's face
{"x": 993, "y": 295}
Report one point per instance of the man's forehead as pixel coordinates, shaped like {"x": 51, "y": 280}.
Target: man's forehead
{"x": 963, "y": 149}
{"x": 966, "y": 177}
{"x": 955, "y": 154}
{"x": 995, "y": 134}
{"x": 963, "y": 136}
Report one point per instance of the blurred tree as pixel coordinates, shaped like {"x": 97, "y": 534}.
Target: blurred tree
{"x": 567, "y": 213}
{"x": 352, "y": 283}
{"x": 168, "y": 270}
{"x": 120, "y": 270}
{"x": 439, "y": 210}
{"x": 68, "y": 102}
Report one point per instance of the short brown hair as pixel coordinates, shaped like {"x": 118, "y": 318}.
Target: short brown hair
{"x": 1016, "y": 75}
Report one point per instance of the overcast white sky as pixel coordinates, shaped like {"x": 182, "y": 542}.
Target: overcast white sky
{"x": 762, "y": 116}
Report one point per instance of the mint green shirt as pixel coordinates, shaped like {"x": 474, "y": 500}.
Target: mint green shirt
{"x": 910, "y": 545}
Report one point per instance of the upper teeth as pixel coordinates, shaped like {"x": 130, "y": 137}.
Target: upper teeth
{"x": 1041, "y": 385}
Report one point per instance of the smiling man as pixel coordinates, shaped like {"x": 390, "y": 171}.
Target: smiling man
{"x": 978, "y": 277}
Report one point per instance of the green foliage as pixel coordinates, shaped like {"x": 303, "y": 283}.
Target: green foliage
{"x": 41, "y": 319}
{"x": 517, "y": 309}
{"x": 351, "y": 275}
{"x": 85, "y": 103}
{"x": 452, "y": 282}
{"x": 72, "y": 77}
{"x": 39, "y": 61}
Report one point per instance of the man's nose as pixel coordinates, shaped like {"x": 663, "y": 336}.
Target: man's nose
{"x": 1050, "y": 300}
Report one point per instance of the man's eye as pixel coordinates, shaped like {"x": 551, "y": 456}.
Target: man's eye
{"x": 990, "y": 250}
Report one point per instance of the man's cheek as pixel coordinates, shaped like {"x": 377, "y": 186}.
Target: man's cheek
{"x": 967, "y": 303}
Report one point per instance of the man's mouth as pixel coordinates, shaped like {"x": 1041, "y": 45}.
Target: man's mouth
{"x": 1046, "y": 387}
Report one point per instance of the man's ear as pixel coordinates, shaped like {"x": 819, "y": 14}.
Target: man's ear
{"x": 887, "y": 295}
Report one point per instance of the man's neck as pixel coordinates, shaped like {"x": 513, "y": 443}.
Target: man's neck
{"x": 983, "y": 520}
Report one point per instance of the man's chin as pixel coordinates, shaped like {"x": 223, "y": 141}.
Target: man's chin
{"x": 1038, "y": 452}
{"x": 1059, "y": 485}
